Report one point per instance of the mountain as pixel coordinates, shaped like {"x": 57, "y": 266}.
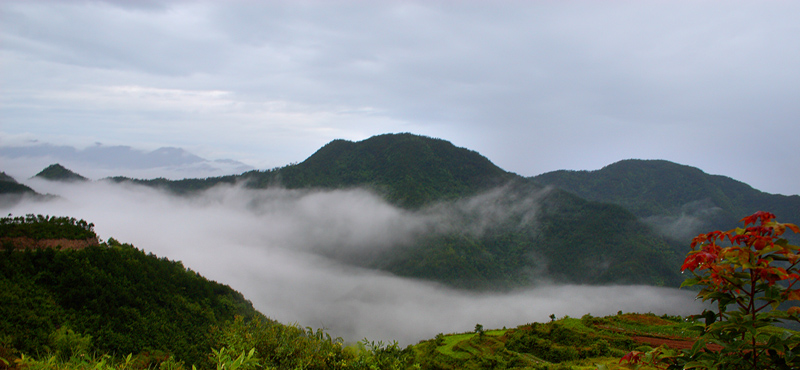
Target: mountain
{"x": 502, "y": 230}
{"x": 57, "y": 172}
{"x": 677, "y": 199}
{"x": 12, "y": 192}
{"x": 8, "y": 185}
{"x": 117, "y": 157}
{"x": 410, "y": 170}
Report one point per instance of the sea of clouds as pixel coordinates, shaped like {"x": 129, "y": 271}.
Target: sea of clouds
{"x": 271, "y": 245}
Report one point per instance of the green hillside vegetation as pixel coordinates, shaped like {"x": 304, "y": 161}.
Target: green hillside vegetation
{"x": 8, "y": 185}
{"x": 57, "y": 172}
{"x": 125, "y": 300}
{"x": 569, "y": 240}
{"x": 664, "y": 191}
{"x": 39, "y": 227}
{"x": 6, "y": 178}
{"x": 12, "y": 192}
{"x": 114, "y": 307}
{"x": 86, "y": 309}
{"x": 567, "y": 343}
{"x": 410, "y": 170}
{"x": 180, "y": 187}
{"x": 562, "y": 344}
{"x": 520, "y": 246}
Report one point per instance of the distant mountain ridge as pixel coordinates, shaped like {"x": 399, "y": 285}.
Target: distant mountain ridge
{"x": 12, "y": 192}
{"x": 101, "y": 161}
{"x": 57, "y": 172}
{"x": 530, "y": 233}
{"x": 8, "y": 185}
{"x": 629, "y": 222}
{"x": 662, "y": 192}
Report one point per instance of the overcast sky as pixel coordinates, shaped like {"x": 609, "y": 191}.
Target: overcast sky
{"x": 535, "y": 86}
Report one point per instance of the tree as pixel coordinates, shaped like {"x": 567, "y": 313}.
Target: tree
{"x": 751, "y": 274}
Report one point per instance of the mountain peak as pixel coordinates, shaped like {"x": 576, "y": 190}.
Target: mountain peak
{"x": 57, "y": 172}
{"x": 6, "y": 178}
{"x": 411, "y": 169}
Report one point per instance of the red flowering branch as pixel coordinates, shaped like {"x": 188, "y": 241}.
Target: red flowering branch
{"x": 756, "y": 270}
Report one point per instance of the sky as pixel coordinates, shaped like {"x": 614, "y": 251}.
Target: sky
{"x": 534, "y": 86}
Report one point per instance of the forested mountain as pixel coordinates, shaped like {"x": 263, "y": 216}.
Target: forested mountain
{"x": 11, "y": 192}
{"x": 57, "y": 172}
{"x": 677, "y": 199}
{"x": 8, "y": 185}
{"x": 410, "y": 170}
{"x": 527, "y": 233}
{"x": 659, "y": 206}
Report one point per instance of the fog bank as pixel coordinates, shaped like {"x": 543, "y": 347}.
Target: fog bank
{"x": 269, "y": 245}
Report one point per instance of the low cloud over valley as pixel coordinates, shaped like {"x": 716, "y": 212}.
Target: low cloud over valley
{"x": 271, "y": 245}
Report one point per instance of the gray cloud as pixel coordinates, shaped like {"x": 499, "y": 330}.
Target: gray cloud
{"x": 265, "y": 244}
{"x": 694, "y": 218}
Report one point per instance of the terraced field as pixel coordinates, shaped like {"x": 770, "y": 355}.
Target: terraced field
{"x": 566, "y": 343}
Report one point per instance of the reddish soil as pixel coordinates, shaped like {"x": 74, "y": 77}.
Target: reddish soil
{"x": 645, "y": 319}
{"x": 674, "y": 343}
{"x": 23, "y": 243}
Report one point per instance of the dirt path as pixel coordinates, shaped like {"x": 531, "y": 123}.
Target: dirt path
{"x": 674, "y": 343}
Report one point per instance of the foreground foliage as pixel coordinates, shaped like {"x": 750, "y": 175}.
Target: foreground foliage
{"x": 750, "y": 273}
{"x": 567, "y": 343}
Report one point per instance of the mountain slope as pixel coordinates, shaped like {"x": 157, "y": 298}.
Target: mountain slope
{"x": 57, "y": 172}
{"x": 126, "y": 300}
{"x": 12, "y": 192}
{"x": 532, "y": 234}
{"x": 410, "y": 170}
{"x": 675, "y": 197}
{"x": 497, "y": 229}
{"x": 8, "y": 185}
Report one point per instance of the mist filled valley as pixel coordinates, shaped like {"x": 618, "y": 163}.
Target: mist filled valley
{"x": 443, "y": 258}
{"x": 273, "y": 245}
{"x": 394, "y": 185}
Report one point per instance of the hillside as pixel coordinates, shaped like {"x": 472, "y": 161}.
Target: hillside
{"x": 410, "y": 170}
{"x": 125, "y": 300}
{"x": 12, "y": 192}
{"x": 539, "y": 235}
{"x": 526, "y": 233}
{"x": 8, "y": 185}
{"x": 566, "y": 343}
{"x": 57, "y": 172}
{"x": 677, "y": 199}
{"x": 44, "y": 231}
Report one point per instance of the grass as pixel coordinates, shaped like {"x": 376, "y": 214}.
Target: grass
{"x": 648, "y": 324}
{"x": 467, "y": 350}
{"x": 451, "y": 341}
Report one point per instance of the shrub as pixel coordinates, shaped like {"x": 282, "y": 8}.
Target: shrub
{"x": 749, "y": 272}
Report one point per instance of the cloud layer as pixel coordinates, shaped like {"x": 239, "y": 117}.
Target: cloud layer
{"x": 266, "y": 244}
{"x": 534, "y": 86}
